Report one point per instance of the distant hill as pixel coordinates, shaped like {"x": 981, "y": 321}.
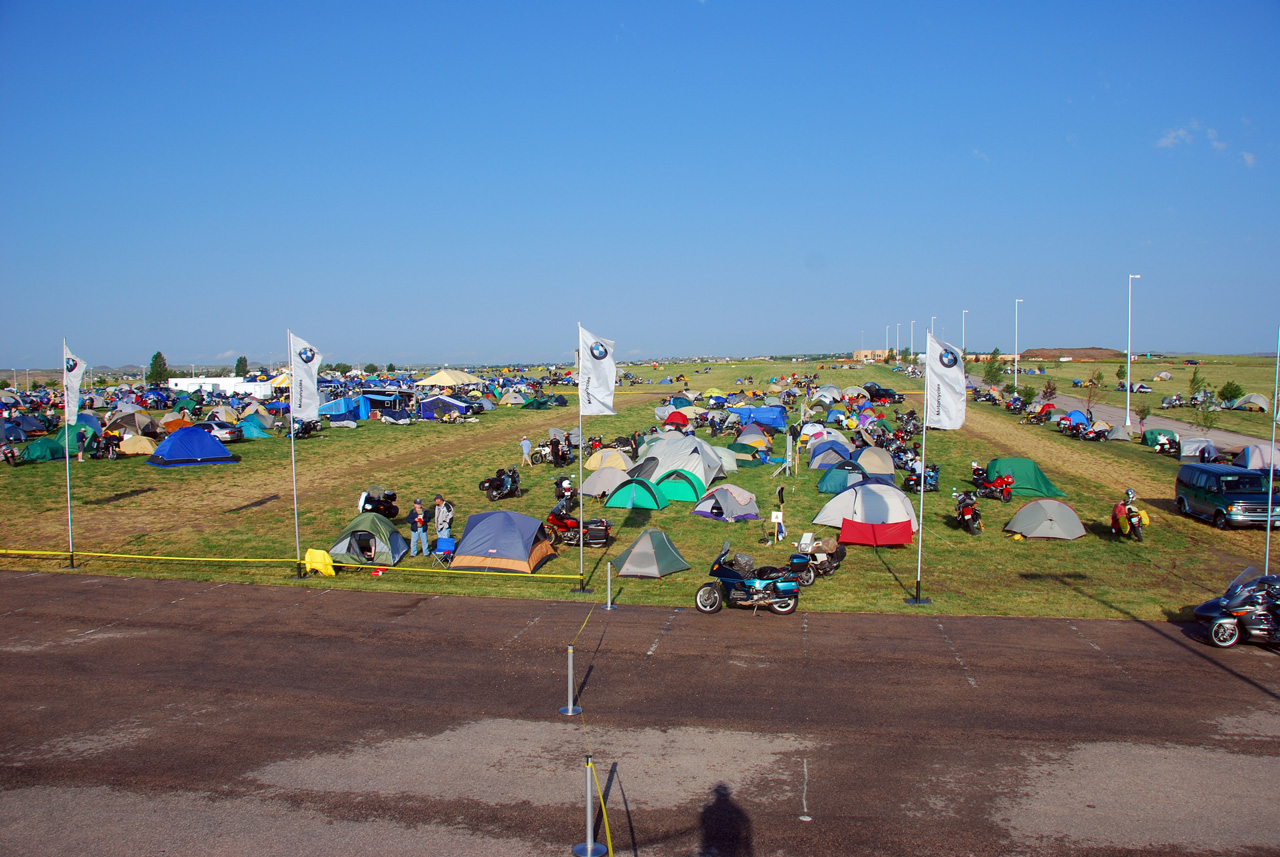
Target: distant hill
{"x": 1073, "y": 353}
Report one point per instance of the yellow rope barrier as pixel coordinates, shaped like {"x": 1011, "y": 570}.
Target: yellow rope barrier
{"x": 604, "y": 813}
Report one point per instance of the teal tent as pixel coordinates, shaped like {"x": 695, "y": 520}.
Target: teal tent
{"x": 252, "y": 429}
{"x": 369, "y": 539}
{"x": 54, "y": 447}
{"x": 681, "y": 486}
{"x": 1028, "y": 479}
{"x": 637, "y": 494}
{"x": 651, "y": 555}
{"x": 1151, "y": 437}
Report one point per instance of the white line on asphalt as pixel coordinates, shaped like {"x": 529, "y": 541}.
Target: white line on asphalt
{"x": 665, "y": 629}
{"x": 517, "y": 634}
{"x": 956, "y": 653}
{"x": 1097, "y": 648}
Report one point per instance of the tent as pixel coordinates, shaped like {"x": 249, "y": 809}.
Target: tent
{"x": 1151, "y": 437}
{"x": 1254, "y": 457}
{"x": 727, "y": 459}
{"x": 828, "y": 453}
{"x": 608, "y": 457}
{"x": 875, "y": 535}
{"x": 722, "y": 504}
{"x": 252, "y": 430}
{"x": 348, "y": 420}
{"x": 1118, "y": 433}
{"x": 369, "y": 539}
{"x": 679, "y": 452}
{"x": 511, "y": 399}
{"x": 502, "y": 541}
{"x": 1163, "y": 376}
{"x": 1046, "y": 519}
{"x": 135, "y": 422}
{"x": 435, "y": 407}
{"x": 226, "y": 413}
{"x": 873, "y": 460}
{"x": 1198, "y": 449}
{"x": 636, "y": 493}
{"x": 1028, "y": 479}
{"x": 651, "y": 555}
{"x": 136, "y": 444}
{"x": 448, "y": 378}
{"x": 188, "y": 447}
{"x": 773, "y": 415}
{"x": 603, "y": 481}
{"x": 681, "y": 486}
{"x": 1075, "y": 417}
{"x": 675, "y": 418}
{"x": 838, "y": 479}
{"x": 1251, "y": 402}
{"x": 869, "y": 503}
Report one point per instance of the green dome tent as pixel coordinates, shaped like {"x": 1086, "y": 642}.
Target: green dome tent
{"x": 637, "y": 494}
{"x": 1028, "y": 479}
{"x": 369, "y": 539}
{"x": 651, "y": 555}
{"x": 54, "y": 447}
{"x": 681, "y": 486}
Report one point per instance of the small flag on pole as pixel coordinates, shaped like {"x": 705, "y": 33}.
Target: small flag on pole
{"x": 944, "y": 388}
{"x": 72, "y": 372}
{"x": 597, "y": 371}
{"x": 304, "y": 390}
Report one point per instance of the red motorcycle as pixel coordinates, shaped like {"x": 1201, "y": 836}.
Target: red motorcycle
{"x": 1000, "y": 488}
{"x": 563, "y": 526}
{"x": 967, "y": 514}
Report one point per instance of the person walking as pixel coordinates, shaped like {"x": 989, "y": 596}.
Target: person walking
{"x": 417, "y": 528}
{"x": 444, "y": 517}
{"x": 525, "y": 448}
{"x": 82, "y": 438}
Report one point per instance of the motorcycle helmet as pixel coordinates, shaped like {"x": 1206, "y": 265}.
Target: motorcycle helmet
{"x": 973, "y": 464}
{"x": 1129, "y": 496}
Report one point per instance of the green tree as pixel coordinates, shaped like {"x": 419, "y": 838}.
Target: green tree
{"x": 906, "y": 355}
{"x": 1008, "y": 389}
{"x": 1205, "y": 416}
{"x": 342, "y": 368}
{"x": 1143, "y": 411}
{"x": 1230, "y": 392}
{"x": 1092, "y": 395}
{"x": 991, "y": 372}
{"x": 1027, "y": 392}
{"x": 1122, "y": 373}
{"x": 242, "y": 366}
{"x": 889, "y": 356}
{"x": 1049, "y": 392}
{"x": 1198, "y": 383}
{"x": 370, "y": 369}
{"x": 158, "y": 371}
{"x": 391, "y": 367}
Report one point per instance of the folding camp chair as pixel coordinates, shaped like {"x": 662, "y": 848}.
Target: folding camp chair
{"x": 443, "y": 554}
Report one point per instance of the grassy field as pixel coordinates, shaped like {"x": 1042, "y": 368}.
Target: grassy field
{"x": 1256, "y": 375}
{"x": 245, "y": 510}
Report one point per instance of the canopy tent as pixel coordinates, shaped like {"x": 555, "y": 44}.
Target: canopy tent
{"x": 1252, "y": 402}
{"x": 502, "y": 541}
{"x": 1028, "y": 479}
{"x": 188, "y": 447}
{"x": 681, "y": 486}
{"x": 1254, "y": 457}
{"x": 868, "y": 503}
{"x": 722, "y": 504}
{"x": 448, "y": 378}
{"x": 603, "y": 481}
{"x": 651, "y": 555}
{"x": 1197, "y": 449}
{"x": 637, "y": 493}
{"x": 608, "y": 457}
{"x": 370, "y": 539}
{"x": 1046, "y": 519}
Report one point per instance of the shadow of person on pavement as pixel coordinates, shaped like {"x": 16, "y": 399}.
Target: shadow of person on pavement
{"x": 726, "y": 827}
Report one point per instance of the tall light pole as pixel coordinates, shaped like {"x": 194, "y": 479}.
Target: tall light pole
{"x": 1128, "y": 353}
{"x": 932, "y": 320}
{"x": 886, "y": 342}
{"x": 913, "y": 339}
{"x": 963, "y": 318}
{"x": 863, "y": 348}
{"x": 897, "y": 341}
{"x": 1015, "y": 345}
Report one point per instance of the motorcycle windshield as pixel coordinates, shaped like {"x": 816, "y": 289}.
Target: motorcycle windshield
{"x": 1243, "y": 582}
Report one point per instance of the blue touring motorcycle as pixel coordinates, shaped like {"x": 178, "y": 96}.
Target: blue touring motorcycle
{"x": 738, "y": 582}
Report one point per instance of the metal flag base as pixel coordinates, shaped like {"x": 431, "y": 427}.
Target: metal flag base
{"x": 590, "y": 849}
{"x": 917, "y": 601}
{"x": 570, "y": 710}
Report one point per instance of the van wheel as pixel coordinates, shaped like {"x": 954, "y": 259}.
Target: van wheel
{"x": 1220, "y": 520}
{"x": 1182, "y": 506}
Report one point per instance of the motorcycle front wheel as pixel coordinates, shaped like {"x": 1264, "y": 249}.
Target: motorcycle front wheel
{"x": 1224, "y": 633}
{"x": 806, "y": 577}
{"x": 708, "y": 600}
{"x": 783, "y": 606}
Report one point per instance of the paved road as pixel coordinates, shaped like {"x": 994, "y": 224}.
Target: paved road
{"x": 146, "y": 716}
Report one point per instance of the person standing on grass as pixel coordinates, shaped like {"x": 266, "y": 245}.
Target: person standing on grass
{"x": 444, "y": 518}
{"x": 525, "y": 447}
{"x": 82, "y": 438}
{"x": 417, "y": 528}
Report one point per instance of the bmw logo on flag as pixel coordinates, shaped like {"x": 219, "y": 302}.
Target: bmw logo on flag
{"x": 598, "y": 351}
{"x": 71, "y": 364}
{"x": 307, "y": 354}
{"x": 948, "y": 358}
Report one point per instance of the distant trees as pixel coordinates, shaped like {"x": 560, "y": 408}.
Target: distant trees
{"x": 1122, "y": 373}
{"x": 1230, "y": 391}
{"x": 242, "y": 366}
{"x": 391, "y": 367}
{"x": 890, "y": 356}
{"x": 370, "y": 369}
{"x": 158, "y": 371}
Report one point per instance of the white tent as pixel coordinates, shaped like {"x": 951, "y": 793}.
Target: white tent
{"x": 448, "y": 378}
{"x": 1254, "y": 457}
{"x": 1197, "y": 449}
{"x": 1252, "y": 402}
{"x": 676, "y": 451}
{"x": 873, "y": 503}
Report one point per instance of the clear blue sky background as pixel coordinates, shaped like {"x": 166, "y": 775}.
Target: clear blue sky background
{"x": 462, "y": 182}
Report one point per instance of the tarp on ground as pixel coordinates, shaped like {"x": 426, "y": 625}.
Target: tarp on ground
{"x": 681, "y": 486}
{"x": 868, "y": 503}
{"x": 502, "y": 541}
{"x": 1028, "y": 479}
{"x": 722, "y": 504}
{"x": 875, "y": 535}
{"x": 189, "y": 447}
{"x": 1254, "y": 457}
{"x": 772, "y": 415}
{"x": 637, "y": 494}
{"x": 1046, "y": 519}
{"x": 651, "y": 555}
{"x": 369, "y": 539}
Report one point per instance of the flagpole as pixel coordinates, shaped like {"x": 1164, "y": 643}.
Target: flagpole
{"x": 924, "y": 443}
{"x": 66, "y": 457}
{"x": 582, "y": 443}
{"x": 1271, "y": 482}
{"x": 293, "y": 457}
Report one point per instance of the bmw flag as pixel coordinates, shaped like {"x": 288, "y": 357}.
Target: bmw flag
{"x": 304, "y": 391}
{"x": 597, "y": 372}
{"x": 72, "y": 372}
{"x": 944, "y": 386}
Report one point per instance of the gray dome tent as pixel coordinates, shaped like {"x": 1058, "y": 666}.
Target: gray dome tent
{"x": 1046, "y": 519}
{"x": 651, "y": 555}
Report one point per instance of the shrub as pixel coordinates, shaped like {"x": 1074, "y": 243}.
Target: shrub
{"x": 1230, "y": 391}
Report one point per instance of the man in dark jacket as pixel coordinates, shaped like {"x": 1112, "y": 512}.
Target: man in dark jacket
{"x": 417, "y": 528}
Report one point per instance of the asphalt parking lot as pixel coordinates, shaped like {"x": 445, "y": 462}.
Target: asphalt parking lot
{"x": 149, "y": 717}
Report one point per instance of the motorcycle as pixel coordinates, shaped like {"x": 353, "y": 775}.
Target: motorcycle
{"x": 814, "y": 558}
{"x": 967, "y": 514}
{"x": 10, "y": 454}
{"x": 739, "y": 583}
{"x": 911, "y": 484}
{"x": 563, "y": 526}
{"x": 303, "y": 429}
{"x": 1098, "y": 435}
{"x": 380, "y": 500}
{"x": 1000, "y": 488}
{"x": 1168, "y": 446}
{"x": 1128, "y": 520}
{"x": 1015, "y": 405}
{"x": 1247, "y": 610}
{"x": 503, "y": 483}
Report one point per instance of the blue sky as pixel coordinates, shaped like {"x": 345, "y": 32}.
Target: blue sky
{"x": 462, "y": 182}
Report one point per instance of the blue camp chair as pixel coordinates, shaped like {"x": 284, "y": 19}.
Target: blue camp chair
{"x": 443, "y": 553}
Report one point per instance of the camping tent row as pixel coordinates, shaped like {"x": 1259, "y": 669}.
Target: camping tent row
{"x": 501, "y": 541}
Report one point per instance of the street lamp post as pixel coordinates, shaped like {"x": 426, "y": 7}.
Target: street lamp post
{"x": 863, "y": 347}
{"x": 1128, "y": 353}
{"x": 932, "y": 320}
{"x": 1015, "y": 344}
{"x": 913, "y": 339}
{"x": 886, "y": 342}
{"x": 897, "y": 341}
{"x": 963, "y": 318}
